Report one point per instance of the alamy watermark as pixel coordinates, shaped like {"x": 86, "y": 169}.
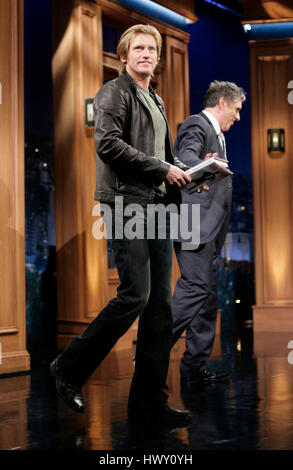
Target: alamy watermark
{"x": 290, "y": 355}
{"x": 290, "y": 95}
{"x": 134, "y": 221}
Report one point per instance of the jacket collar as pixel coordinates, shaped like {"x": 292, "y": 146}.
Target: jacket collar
{"x": 208, "y": 121}
{"x": 156, "y": 97}
{"x": 134, "y": 84}
{"x": 213, "y": 120}
{"x": 212, "y": 127}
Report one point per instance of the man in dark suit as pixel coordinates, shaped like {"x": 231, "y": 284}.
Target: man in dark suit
{"x": 194, "y": 303}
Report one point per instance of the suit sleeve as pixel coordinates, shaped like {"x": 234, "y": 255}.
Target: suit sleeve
{"x": 190, "y": 141}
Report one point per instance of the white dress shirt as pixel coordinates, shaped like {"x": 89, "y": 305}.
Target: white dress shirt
{"x": 219, "y": 133}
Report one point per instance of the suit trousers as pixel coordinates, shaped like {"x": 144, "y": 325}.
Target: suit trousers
{"x": 194, "y": 305}
{"x": 144, "y": 267}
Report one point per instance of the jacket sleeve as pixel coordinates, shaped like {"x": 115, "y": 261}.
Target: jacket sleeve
{"x": 190, "y": 140}
{"x": 111, "y": 110}
{"x": 180, "y": 164}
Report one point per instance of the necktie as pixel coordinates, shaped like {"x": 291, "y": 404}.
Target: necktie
{"x": 223, "y": 144}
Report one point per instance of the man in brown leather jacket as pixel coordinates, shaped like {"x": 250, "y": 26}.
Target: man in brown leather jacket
{"x": 135, "y": 165}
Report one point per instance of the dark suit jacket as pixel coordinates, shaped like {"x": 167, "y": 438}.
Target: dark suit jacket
{"x": 196, "y": 138}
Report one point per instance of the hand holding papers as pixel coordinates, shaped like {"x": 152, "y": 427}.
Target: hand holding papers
{"x": 208, "y": 172}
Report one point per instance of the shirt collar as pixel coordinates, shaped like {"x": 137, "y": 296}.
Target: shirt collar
{"x": 214, "y": 122}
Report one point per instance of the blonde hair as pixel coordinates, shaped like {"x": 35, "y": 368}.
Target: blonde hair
{"x": 124, "y": 42}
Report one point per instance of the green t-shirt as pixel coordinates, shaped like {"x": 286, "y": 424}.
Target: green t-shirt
{"x": 160, "y": 129}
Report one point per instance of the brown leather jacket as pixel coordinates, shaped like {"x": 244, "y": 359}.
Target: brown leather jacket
{"x": 125, "y": 141}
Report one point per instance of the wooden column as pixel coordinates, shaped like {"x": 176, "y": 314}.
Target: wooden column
{"x": 271, "y": 71}
{"x": 177, "y": 102}
{"x": 13, "y": 354}
{"x": 176, "y": 82}
{"x": 77, "y": 75}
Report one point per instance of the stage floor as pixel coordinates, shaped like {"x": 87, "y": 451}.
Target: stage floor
{"x": 253, "y": 411}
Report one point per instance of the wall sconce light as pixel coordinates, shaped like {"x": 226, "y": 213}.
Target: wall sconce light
{"x": 89, "y": 112}
{"x": 276, "y": 140}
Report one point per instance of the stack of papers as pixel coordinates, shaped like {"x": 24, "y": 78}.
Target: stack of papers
{"x": 207, "y": 172}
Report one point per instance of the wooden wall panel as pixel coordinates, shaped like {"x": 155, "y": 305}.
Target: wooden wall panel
{"x": 14, "y": 356}
{"x": 271, "y": 70}
{"x": 176, "y": 75}
{"x": 266, "y": 10}
{"x": 277, "y": 173}
{"x": 66, "y": 173}
{"x": 77, "y": 75}
{"x": 184, "y": 7}
{"x": 91, "y": 67}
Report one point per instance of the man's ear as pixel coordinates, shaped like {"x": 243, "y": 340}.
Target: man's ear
{"x": 222, "y": 102}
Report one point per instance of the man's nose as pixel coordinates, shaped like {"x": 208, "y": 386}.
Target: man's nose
{"x": 237, "y": 117}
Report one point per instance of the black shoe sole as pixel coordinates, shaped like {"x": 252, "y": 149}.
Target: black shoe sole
{"x": 66, "y": 401}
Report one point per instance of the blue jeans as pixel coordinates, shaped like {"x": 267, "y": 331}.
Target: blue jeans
{"x": 144, "y": 267}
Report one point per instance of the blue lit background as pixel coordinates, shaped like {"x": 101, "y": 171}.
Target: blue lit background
{"x": 219, "y": 50}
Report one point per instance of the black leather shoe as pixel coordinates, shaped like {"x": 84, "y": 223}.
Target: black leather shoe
{"x": 70, "y": 394}
{"x": 206, "y": 376}
{"x": 168, "y": 413}
{"x": 164, "y": 412}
